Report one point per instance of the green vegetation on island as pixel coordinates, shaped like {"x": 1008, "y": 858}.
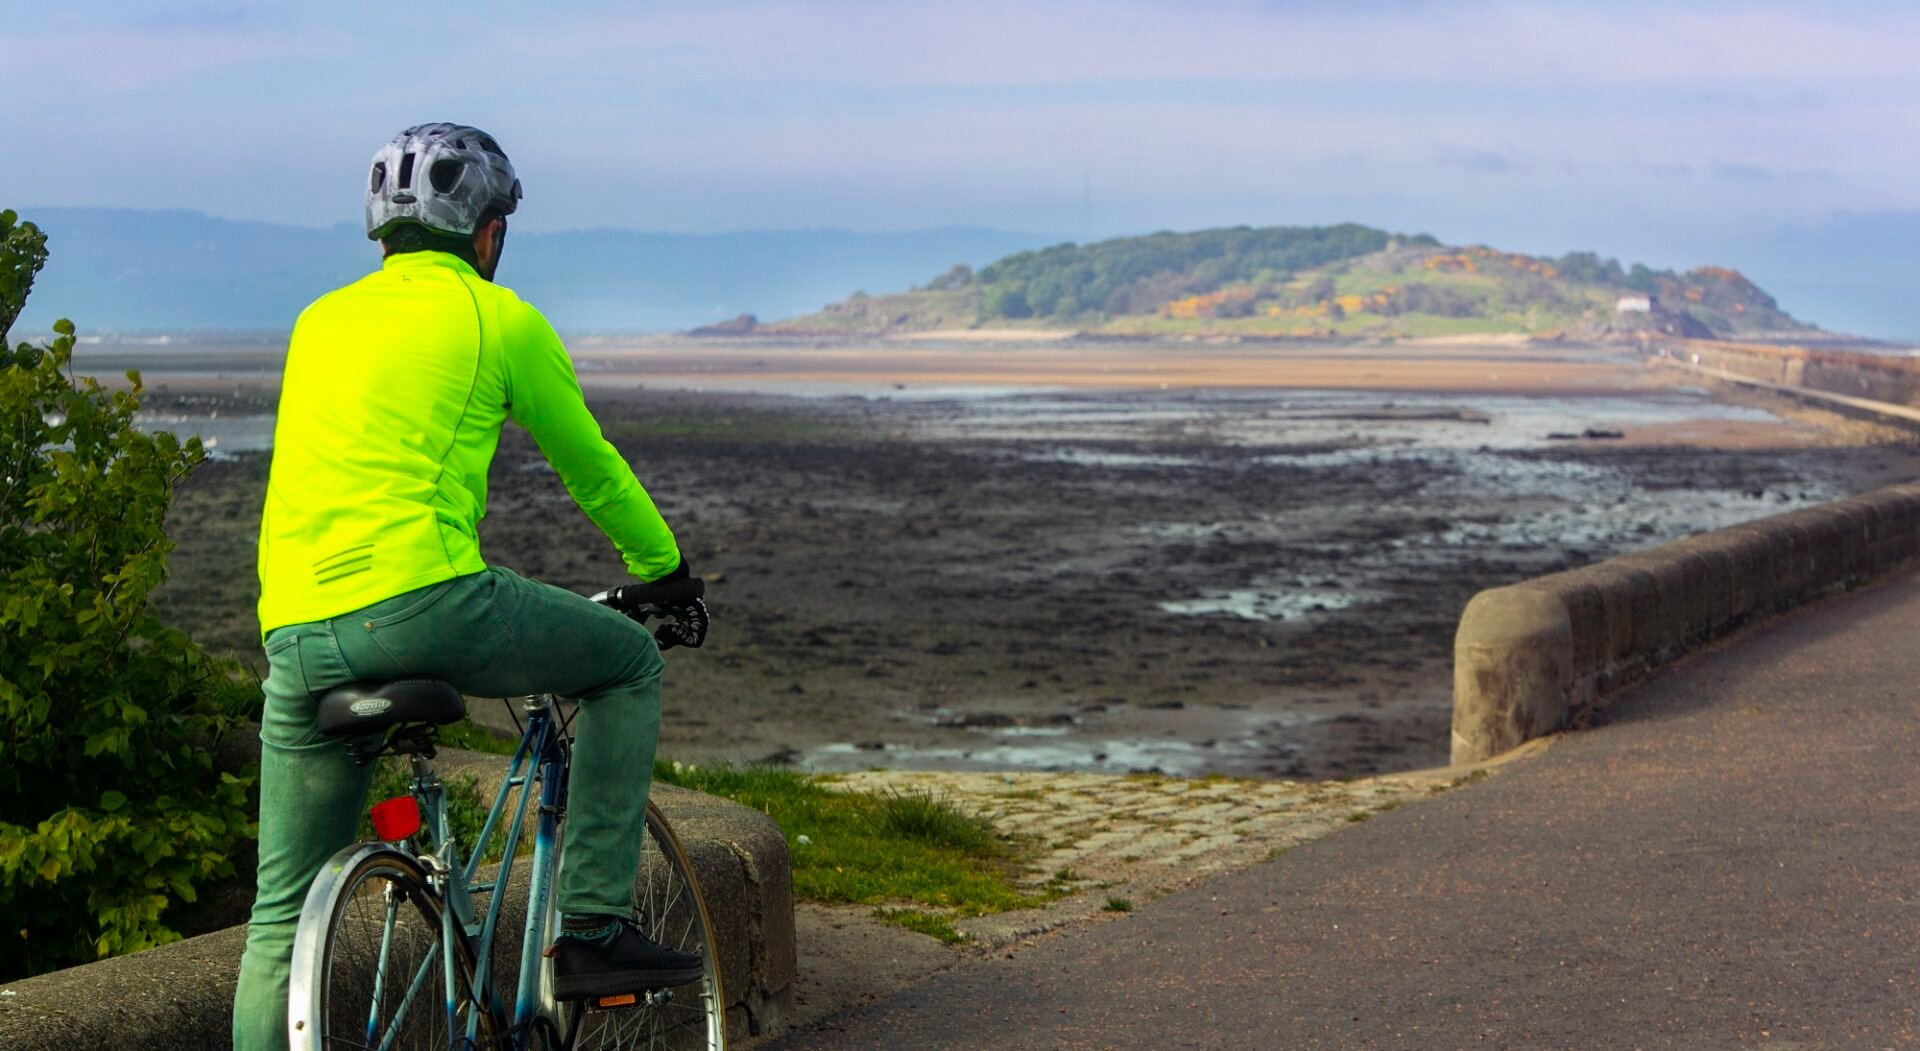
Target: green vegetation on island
{"x": 1346, "y": 281}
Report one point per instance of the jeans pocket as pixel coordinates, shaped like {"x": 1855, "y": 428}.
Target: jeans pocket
{"x": 321, "y": 665}
{"x": 278, "y": 640}
{"x": 411, "y": 605}
{"x": 442, "y": 635}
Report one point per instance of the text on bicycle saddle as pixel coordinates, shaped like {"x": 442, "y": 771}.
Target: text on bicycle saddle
{"x": 366, "y": 707}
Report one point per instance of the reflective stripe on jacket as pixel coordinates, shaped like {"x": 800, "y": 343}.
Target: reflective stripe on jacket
{"x": 395, "y": 390}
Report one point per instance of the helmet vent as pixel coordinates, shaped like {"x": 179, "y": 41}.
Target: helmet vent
{"x": 444, "y": 174}
{"x": 379, "y": 178}
{"x": 406, "y": 170}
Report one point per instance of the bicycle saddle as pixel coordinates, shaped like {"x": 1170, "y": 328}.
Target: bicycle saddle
{"x": 369, "y": 707}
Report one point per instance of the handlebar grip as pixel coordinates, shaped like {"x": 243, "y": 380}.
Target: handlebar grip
{"x": 659, "y": 593}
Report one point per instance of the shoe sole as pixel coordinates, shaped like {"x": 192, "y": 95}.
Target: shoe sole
{"x": 616, "y": 983}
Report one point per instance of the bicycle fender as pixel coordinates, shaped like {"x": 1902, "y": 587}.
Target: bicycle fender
{"x": 304, "y": 987}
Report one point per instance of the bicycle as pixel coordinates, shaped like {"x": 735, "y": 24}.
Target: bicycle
{"x": 393, "y": 951}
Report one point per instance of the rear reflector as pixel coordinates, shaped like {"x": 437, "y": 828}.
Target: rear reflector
{"x": 623, "y": 1000}
{"x": 396, "y": 819}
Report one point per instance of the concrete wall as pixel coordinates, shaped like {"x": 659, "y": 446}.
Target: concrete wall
{"x": 1879, "y": 377}
{"x": 181, "y": 995}
{"x": 1532, "y": 658}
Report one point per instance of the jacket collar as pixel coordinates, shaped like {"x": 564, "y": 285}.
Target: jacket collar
{"x": 416, "y": 260}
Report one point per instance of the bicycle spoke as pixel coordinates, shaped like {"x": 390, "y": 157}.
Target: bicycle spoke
{"x": 668, "y": 910}
{"x": 380, "y": 968}
{"x": 427, "y": 968}
{"x": 386, "y": 968}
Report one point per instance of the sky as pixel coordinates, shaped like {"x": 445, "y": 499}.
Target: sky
{"x": 1676, "y": 132}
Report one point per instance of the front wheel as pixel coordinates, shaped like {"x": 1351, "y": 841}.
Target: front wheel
{"x": 669, "y": 908}
{"x": 372, "y": 966}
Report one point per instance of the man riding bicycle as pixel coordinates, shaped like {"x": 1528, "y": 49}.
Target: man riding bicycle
{"x": 391, "y": 405}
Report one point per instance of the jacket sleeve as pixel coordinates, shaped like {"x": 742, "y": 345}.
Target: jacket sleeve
{"x": 543, "y": 395}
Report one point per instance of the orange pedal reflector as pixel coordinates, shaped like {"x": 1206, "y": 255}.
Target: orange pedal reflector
{"x": 623, "y": 1000}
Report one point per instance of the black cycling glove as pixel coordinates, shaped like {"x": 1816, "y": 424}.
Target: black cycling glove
{"x": 685, "y": 625}
{"x": 685, "y": 617}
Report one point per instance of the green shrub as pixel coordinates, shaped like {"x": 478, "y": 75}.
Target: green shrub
{"x": 112, "y": 809}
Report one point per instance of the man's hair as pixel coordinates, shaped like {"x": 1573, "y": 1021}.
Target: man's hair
{"x": 413, "y": 237}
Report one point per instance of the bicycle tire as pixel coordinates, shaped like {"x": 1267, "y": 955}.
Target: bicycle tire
{"x": 669, "y": 908}
{"x": 367, "y": 956}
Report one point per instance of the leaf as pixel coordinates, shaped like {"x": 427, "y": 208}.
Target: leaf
{"x": 87, "y": 671}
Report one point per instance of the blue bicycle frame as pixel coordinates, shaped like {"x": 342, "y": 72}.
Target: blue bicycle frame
{"x": 542, "y": 752}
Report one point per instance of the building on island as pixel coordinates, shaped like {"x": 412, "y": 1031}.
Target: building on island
{"x": 1634, "y": 305}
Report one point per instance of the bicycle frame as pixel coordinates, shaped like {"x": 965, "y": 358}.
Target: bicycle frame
{"x": 542, "y": 753}
{"x": 542, "y": 756}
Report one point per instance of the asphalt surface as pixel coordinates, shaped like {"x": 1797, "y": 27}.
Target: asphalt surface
{"x": 1731, "y": 861}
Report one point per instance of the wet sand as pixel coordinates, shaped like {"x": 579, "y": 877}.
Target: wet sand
{"x": 964, "y": 561}
{"x": 1506, "y": 366}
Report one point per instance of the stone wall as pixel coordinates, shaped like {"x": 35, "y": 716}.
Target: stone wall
{"x": 1531, "y": 658}
{"x": 1889, "y": 378}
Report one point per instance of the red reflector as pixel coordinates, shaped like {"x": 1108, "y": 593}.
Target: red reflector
{"x": 396, "y": 818}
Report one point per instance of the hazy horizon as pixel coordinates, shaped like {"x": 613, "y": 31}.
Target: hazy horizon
{"x": 180, "y": 270}
{"x": 1767, "y": 136}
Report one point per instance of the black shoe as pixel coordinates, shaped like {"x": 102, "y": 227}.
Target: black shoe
{"x": 631, "y": 963}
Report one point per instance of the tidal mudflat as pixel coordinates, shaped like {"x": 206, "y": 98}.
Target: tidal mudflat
{"x": 1236, "y": 580}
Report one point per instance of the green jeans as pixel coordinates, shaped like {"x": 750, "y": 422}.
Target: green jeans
{"x": 491, "y": 634}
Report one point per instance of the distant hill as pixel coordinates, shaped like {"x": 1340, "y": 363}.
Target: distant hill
{"x": 1349, "y": 281}
{"x": 179, "y": 270}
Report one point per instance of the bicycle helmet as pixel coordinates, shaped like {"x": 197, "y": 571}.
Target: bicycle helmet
{"x": 442, "y": 176}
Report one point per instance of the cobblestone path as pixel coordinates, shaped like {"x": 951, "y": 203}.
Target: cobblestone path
{"x": 1107, "y": 839}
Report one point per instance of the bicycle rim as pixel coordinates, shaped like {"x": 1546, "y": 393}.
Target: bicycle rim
{"x": 670, "y": 909}
{"x": 382, "y": 970}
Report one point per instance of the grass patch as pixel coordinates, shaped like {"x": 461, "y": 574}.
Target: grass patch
{"x": 473, "y": 737}
{"x": 887, "y": 849}
{"x": 930, "y": 924}
{"x": 1118, "y": 905}
{"x": 924, "y": 819}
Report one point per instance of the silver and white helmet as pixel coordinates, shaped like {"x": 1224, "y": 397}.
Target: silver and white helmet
{"x": 442, "y": 176}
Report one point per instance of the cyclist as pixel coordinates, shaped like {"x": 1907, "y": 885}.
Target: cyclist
{"x": 391, "y": 405}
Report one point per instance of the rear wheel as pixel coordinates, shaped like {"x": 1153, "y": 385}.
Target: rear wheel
{"x": 668, "y": 908}
{"x": 377, "y": 974}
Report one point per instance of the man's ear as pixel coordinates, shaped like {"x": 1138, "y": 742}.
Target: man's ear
{"x": 485, "y": 237}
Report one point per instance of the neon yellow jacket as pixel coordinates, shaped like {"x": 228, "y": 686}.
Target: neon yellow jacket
{"x": 395, "y": 390}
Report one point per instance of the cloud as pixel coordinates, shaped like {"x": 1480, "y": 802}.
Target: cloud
{"x": 779, "y": 112}
{"x": 1020, "y": 42}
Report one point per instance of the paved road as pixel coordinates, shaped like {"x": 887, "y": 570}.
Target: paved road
{"x": 1733, "y": 861}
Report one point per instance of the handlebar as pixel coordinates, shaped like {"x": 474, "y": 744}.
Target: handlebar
{"x": 642, "y": 600}
{"x": 679, "y": 603}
